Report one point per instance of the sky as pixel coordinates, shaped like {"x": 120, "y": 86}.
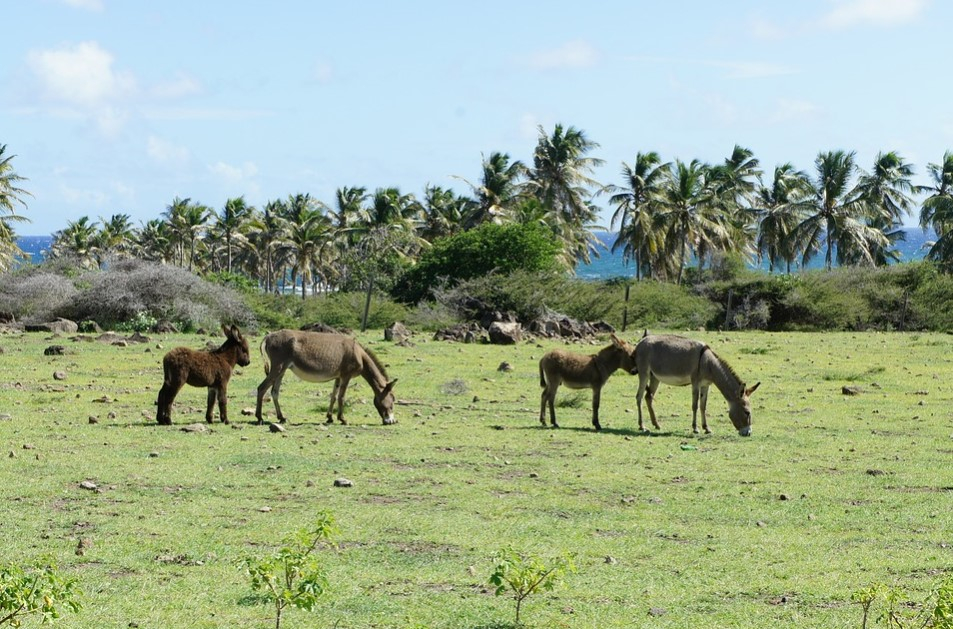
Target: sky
{"x": 120, "y": 106}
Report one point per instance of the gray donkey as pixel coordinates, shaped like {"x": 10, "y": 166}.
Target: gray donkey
{"x": 679, "y": 361}
{"x": 580, "y": 372}
{"x": 319, "y": 357}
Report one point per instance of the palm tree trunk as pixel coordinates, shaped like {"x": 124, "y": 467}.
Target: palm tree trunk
{"x": 367, "y": 304}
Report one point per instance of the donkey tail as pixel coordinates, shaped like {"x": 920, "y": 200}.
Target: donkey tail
{"x": 542, "y": 376}
{"x": 264, "y": 356}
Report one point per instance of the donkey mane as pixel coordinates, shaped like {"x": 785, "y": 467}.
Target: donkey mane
{"x": 377, "y": 362}
{"x": 725, "y": 365}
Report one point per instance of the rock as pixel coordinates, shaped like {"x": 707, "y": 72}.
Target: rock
{"x": 273, "y": 427}
{"x": 875, "y": 472}
{"x": 153, "y": 455}
{"x": 610, "y": 560}
{"x": 90, "y": 327}
{"x": 461, "y": 332}
{"x": 248, "y": 411}
{"x": 59, "y": 375}
{"x": 136, "y": 337}
{"x": 783, "y": 497}
{"x": 88, "y": 485}
{"x": 195, "y": 428}
{"x": 93, "y": 419}
{"x": 59, "y": 326}
{"x": 265, "y": 509}
{"x": 851, "y": 390}
{"x": 320, "y": 327}
{"x": 54, "y": 350}
{"x": 397, "y": 332}
{"x": 82, "y": 546}
{"x": 505, "y": 367}
{"x": 165, "y": 327}
{"x": 343, "y": 482}
{"x": 505, "y": 333}
{"x": 656, "y": 611}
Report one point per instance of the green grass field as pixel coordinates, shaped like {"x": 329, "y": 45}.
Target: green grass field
{"x": 669, "y": 529}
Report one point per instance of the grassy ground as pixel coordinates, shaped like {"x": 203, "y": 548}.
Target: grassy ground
{"x": 831, "y": 493}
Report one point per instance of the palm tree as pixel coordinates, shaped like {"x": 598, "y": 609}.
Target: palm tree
{"x": 443, "y": 213}
{"x": 307, "y": 237}
{"x": 837, "y": 216}
{"x": 690, "y": 220}
{"x": 498, "y": 192}
{"x": 560, "y": 179}
{"x": 937, "y": 210}
{"x": 634, "y": 208}
{"x": 187, "y": 221}
{"x": 267, "y": 242}
{"x": 230, "y": 224}
{"x": 155, "y": 242}
{"x": 886, "y": 192}
{"x": 115, "y": 237}
{"x": 781, "y": 207}
{"x": 11, "y": 196}
{"x": 77, "y": 240}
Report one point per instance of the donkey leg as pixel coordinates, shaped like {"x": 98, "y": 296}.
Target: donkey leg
{"x": 638, "y": 397}
{"x": 166, "y": 396}
{"x": 596, "y": 395}
{"x": 703, "y": 403}
{"x": 223, "y": 404}
{"x": 275, "y": 390}
{"x": 212, "y": 396}
{"x": 542, "y": 407}
{"x": 649, "y": 397}
{"x": 334, "y": 395}
{"x": 267, "y": 383}
{"x": 342, "y": 389}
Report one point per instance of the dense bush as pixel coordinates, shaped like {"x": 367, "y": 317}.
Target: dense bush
{"x": 126, "y": 294}
{"x": 490, "y": 248}
{"x": 339, "y": 310}
{"x": 530, "y": 295}
{"x": 35, "y": 294}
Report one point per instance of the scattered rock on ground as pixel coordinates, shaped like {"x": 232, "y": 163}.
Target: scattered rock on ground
{"x": 343, "y": 482}
{"x": 505, "y": 333}
{"x": 195, "y": 428}
{"x": 54, "y": 350}
{"x": 397, "y": 332}
{"x": 60, "y": 326}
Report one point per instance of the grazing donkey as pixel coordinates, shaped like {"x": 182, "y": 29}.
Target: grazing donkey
{"x": 213, "y": 369}
{"x": 319, "y": 357}
{"x": 679, "y": 361}
{"x": 580, "y": 372}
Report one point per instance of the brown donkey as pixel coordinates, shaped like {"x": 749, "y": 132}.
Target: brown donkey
{"x": 580, "y": 372}
{"x": 319, "y": 357}
{"x": 202, "y": 369}
{"x": 679, "y": 361}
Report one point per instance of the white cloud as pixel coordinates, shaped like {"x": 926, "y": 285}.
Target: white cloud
{"x": 80, "y": 75}
{"x": 88, "y": 5}
{"x": 848, "y": 13}
{"x": 234, "y": 174}
{"x": 166, "y": 152}
{"x": 570, "y": 56}
{"x": 94, "y": 199}
{"x": 751, "y": 69}
{"x": 766, "y": 30}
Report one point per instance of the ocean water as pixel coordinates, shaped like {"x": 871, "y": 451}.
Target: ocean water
{"x": 607, "y": 265}
{"x": 610, "y": 265}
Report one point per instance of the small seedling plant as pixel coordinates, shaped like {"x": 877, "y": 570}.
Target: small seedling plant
{"x": 894, "y": 611}
{"x": 292, "y": 576}
{"x": 524, "y": 574}
{"x": 39, "y": 589}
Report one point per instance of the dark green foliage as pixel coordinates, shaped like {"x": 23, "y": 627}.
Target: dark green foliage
{"x": 338, "y": 310}
{"x": 490, "y": 248}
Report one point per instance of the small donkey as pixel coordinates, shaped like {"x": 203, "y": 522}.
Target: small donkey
{"x": 581, "y": 372}
{"x": 202, "y": 369}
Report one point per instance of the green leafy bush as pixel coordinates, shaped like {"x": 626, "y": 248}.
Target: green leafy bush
{"x": 39, "y": 589}
{"x": 339, "y": 310}
{"x": 487, "y": 249}
{"x": 522, "y": 574}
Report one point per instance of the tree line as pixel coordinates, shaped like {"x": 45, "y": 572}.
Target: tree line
{"x": 667, "y": 215}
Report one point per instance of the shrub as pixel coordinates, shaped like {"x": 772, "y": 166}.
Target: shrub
{"x": 133, "y": 290}
{"x": 339, "y": 310}
{"x": 39, "y": 589}
{"x": 523, "y": 574}
{"x": 489, "y": 248}
{"x": 35, "y": 294}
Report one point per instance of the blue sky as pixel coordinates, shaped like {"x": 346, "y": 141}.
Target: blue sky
{"x": 119, "y": 106}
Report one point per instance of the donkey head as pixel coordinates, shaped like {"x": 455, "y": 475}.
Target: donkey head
{"x": 384, "y": 402}
{"x": 234, "y": 336}
{"x": 626, "y": 353}
{"x": 739, "y": 410}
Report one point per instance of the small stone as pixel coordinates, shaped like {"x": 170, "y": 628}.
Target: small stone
{"x": 29, "y": 446}
{"x": 505, "y": 367}
{"x": 195, "y": 428}
{"x": 82, "y": 545}
{"x": 851, "y": 390}
{"x": 273, "y": 427}
{"x": 343, "y": 482}
{"x": 264, "y": 509}
{"x": 533, "y": 475}
{"x": 761, "y": 524}
{"x": 248, "y": 412}
{"x": 309, "y": 483}
{"x": 610, "y": 560}
{"x": 59, "y": 375}
{"x": 12, "y": 454}
{"x": 656, "y": 611}
{"x": 111, "y": 415}
{"x": 5, "y": 416}
{"x": 88, "y": 485}
{"x": 153, "y": 455}
{"x": 783, "y": 497}
{"x": 875, "y": 472}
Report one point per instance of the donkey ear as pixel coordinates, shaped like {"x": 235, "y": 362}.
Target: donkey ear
{"x": 225, "y": 330}
{"x": 616, "y": 340}
{"x": 752, "y": 389}
{"x": 388, "y": 387}
{"x": 236, "y": 333}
